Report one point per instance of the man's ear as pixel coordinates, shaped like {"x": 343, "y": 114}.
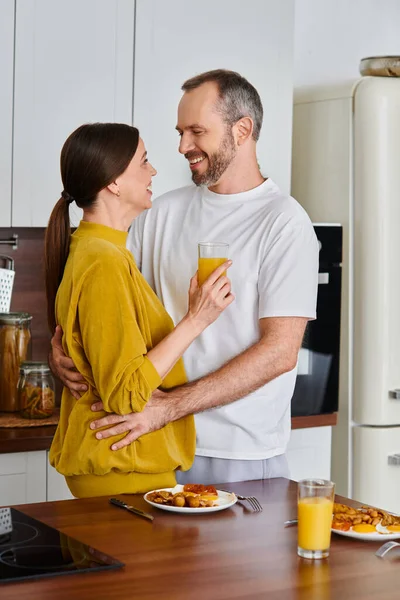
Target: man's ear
{"x": 243, "y": 130}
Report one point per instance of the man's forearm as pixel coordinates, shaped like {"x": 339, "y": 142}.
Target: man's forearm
{"x": 276, "y": 353}
{"x": 244, "y": 374}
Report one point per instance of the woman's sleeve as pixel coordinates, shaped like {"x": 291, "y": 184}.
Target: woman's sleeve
{"x": 123, "y": 375}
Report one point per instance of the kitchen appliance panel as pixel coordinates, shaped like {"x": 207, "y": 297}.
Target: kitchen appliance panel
{"x": 30, "y": 549}
{"x": 317, "y": 383}
{"x": 376, "y": 467}
{"x": 346, "y": 152}
{"x": 377, "y": 252}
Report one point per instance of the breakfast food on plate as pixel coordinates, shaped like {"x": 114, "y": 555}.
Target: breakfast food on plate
{"x": 193, "y": 495}
{"x": 364, "y": 528}
{"x": 206, "y": 491}
{"x": 363, "y": 520}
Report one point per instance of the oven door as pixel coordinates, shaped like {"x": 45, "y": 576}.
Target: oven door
{"x": 317, "y": 384}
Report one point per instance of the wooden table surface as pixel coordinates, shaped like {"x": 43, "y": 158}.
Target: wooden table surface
{"x": 230, "y": 554}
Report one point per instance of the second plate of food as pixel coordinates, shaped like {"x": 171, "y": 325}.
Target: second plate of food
{"x": 382, "y": 534}
{"x": 207, "y": 501}
{"x": 365, "y": 523}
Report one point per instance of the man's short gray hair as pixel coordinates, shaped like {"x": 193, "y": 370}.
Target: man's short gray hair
{"x": 238, "y": 98}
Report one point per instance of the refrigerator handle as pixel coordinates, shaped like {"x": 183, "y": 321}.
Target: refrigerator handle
{"x": 394, "y": 459}
{"x": 395, "y": 394}
{"x": 323, "y": 278}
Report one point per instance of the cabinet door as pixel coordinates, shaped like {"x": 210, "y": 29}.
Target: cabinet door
{"x": 22, "y": 477}
{"x": 57, "y": 488}
{"x": 6, "y": 108}
{"x": 73, "y": 64}
{"x": 309, "y": 453}
{"x": 176, "y": 39}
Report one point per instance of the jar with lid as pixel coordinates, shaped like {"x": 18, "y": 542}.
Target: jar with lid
{"x": 15, "y": 339}
{"x": 36, "y": 389}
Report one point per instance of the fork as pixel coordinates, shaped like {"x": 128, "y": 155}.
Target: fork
{"x": 384, "y": 549}
{"x": 252, "y": 500}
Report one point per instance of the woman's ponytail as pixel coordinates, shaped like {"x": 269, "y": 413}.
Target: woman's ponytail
{"x": 56, "y": 249}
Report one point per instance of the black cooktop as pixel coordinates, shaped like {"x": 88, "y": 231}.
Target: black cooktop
{"x": 30, "y": 549}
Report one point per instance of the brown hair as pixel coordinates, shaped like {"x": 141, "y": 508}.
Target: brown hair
{"x": 238, "y": 98}
{"x": 92, "y": 157}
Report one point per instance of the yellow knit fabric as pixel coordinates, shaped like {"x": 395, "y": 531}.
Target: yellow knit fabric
{"x": 110, "y": 318}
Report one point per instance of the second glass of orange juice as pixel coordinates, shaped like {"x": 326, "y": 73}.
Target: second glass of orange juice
{"x": 211, "y": 256}
{"x": 315, "y": 507}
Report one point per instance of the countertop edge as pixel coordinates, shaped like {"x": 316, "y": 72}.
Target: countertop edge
{"x": 26, "y": 439}
{"x": 30, "y": 439}
{"x": 324, "y": 420}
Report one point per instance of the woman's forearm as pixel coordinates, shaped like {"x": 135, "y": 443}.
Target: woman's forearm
{"x": 170, "y": 349}
{"x": 205, "y": 305}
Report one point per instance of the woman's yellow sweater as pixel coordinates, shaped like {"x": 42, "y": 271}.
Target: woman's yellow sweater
{"x": 111, "y": 318}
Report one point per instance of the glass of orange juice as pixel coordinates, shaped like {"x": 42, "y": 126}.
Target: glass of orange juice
{"x": 314, "y": 510}
{"x": 211, "y": 256}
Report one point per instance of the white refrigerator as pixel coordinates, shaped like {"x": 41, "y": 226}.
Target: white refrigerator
{"x": 346, "y": 168}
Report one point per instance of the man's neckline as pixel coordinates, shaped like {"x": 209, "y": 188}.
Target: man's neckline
{"x": 258, "y": 191}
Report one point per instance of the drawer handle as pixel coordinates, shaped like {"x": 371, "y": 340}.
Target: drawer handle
{"x": 394, "y": 459}
{"x": 395, "y": 394}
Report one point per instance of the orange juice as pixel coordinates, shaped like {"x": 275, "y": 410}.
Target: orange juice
{"x": 207, "y": 266}
{"x": 315, "y": 519}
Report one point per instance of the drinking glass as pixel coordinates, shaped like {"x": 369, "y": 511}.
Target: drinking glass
{"x": 315, "y": 507}
{"x": 211, "y": 256}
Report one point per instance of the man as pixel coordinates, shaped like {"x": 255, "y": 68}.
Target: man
{"x": 242, "y": 369}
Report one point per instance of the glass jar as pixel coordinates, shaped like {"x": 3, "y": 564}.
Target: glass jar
{"x": 36, "y": 390}
{"x": 15, "y": 336}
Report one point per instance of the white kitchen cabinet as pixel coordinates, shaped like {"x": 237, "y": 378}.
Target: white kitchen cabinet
{"x": 176, "y": 39}
{"x": 309, "y": 453}
{"x": 73, "y": 64}
{"x": 27, "y": 477}
{"x": 57, "y": 489}
{"x": 6, "y": 108}
{"x": 23, "y": 478}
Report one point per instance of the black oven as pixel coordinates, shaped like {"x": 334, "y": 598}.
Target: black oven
{"x": 317, "y": 384}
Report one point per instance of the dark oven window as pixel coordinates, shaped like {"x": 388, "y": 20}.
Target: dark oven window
{"x": 317, "y": 384}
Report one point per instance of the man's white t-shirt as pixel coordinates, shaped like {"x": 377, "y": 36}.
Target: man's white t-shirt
{"x": 274, "y": 274}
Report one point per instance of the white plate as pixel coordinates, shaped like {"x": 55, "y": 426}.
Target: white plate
{"x": 225, "y": 500}
{"x": 382, "y": 535}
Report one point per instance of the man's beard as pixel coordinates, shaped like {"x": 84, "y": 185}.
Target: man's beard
{"x": 217, "y": 162}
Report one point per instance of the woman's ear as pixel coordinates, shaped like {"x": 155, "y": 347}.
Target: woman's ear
{"x": 114, "y": 188}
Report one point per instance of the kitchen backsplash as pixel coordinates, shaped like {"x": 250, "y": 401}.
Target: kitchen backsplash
{"x": 29, "y": 291}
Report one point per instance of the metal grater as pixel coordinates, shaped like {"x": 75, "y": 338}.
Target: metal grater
{"x": 7, "y": 275}
{"x": 5, "y": 521}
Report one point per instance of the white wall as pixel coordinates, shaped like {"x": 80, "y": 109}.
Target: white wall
{"x": 222, "y": 34}
{"x": 331, "y": 37}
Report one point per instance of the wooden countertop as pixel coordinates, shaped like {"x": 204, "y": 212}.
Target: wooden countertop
{"x": 233, "y": 554}
{"x": 25, "y": 439}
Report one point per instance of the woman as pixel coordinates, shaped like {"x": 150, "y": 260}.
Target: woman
{"x": 114, "y": 327}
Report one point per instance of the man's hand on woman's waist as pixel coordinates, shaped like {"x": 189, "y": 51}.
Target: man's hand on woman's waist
{"x": 153, "y": 417}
